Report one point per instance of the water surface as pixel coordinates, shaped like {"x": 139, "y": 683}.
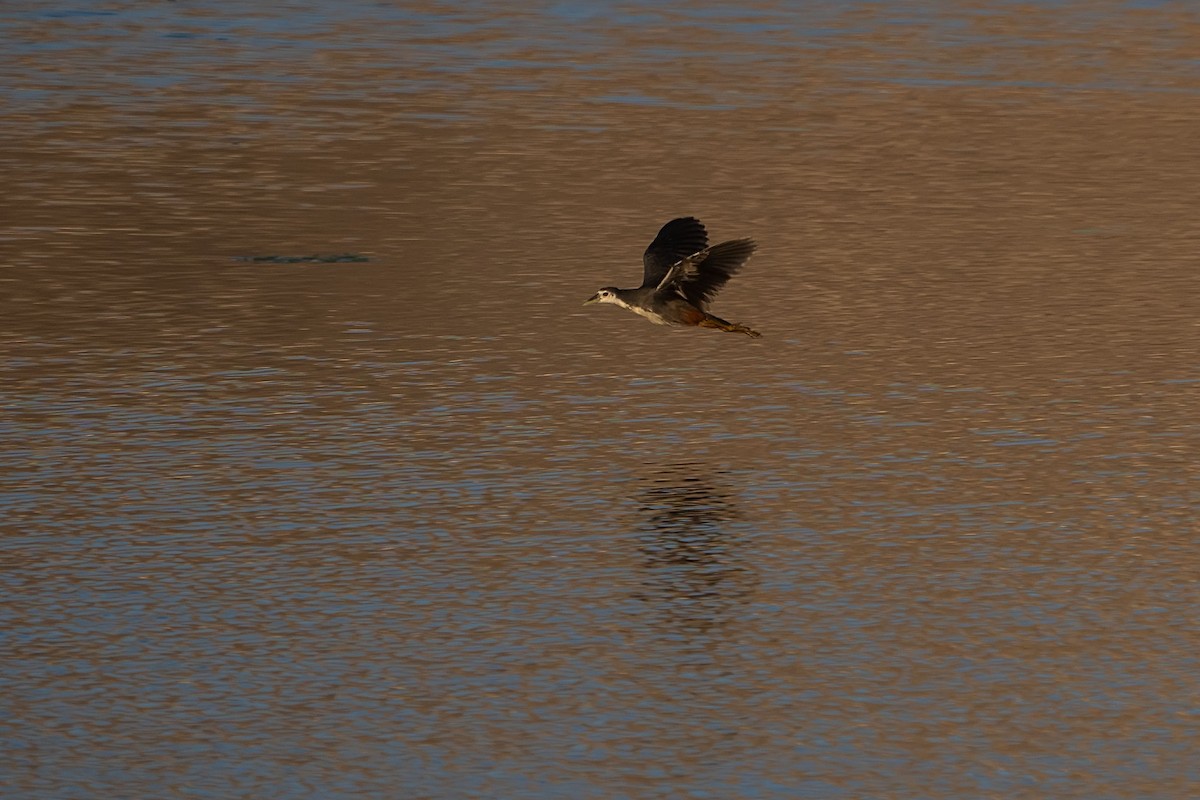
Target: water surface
{"x": 422, "y": 526}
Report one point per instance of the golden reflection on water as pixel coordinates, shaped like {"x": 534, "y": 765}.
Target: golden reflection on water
{"x": 420, "y": 521}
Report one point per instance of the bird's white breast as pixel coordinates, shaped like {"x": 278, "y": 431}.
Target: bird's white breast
{"x": 641, "y": 312}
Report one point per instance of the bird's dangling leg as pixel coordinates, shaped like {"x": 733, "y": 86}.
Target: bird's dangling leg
{"x": 710, "y": 321}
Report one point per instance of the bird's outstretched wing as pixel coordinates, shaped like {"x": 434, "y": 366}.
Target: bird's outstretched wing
{"x": 677, "y": 240}
{"x": 699, "y": 277}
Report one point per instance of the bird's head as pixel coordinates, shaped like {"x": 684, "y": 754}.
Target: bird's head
{"x": 606, "y": 295}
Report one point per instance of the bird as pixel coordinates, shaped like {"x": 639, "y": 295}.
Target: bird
{"x": 682, "y": 274}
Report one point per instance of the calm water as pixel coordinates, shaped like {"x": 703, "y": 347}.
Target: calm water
{"x": 421, "y": 526}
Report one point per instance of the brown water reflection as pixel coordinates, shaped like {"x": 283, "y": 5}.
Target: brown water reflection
{"x": 696, "y": 572}
{"x": 422, "y": 525}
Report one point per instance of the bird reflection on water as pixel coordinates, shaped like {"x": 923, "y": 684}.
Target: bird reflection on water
{"x": 696, "y": 572}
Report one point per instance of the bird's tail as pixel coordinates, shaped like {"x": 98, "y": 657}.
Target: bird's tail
{"x": 710, "y": 321}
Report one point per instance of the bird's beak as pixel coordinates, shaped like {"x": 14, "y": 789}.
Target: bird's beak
{"x": 593, "y": 299}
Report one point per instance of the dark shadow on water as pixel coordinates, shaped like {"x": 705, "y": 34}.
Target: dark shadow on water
{"x": 691, "y": 547}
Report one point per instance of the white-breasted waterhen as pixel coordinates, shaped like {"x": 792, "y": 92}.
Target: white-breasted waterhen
{"x": 682, "y": 275}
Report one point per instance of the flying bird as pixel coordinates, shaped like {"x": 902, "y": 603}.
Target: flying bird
{"x": 681, "y": 276}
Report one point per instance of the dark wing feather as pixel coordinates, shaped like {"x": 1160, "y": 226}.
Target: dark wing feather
{"x": 704, "y": 279}
{"x": 677, "y": 240}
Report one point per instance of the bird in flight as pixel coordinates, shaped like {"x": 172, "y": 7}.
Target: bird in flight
{"x": 682, "y": 275}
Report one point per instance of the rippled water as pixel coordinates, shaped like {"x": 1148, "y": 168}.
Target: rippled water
{"x": 422, "y": 526}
